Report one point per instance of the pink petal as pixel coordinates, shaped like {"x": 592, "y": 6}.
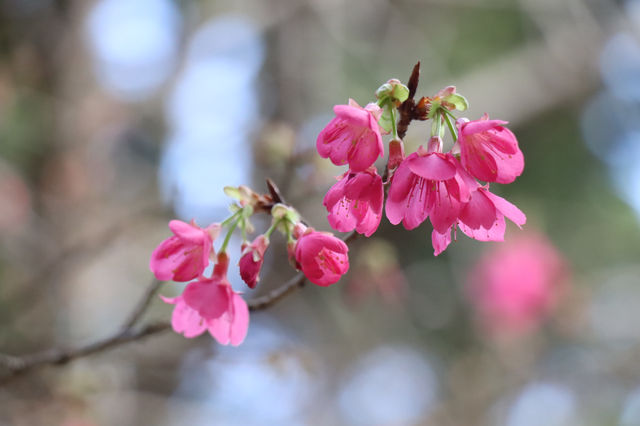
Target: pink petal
{"x": 432, "y": 166}
{"x": 443, "y": 207}
{"x": 187, "y": 321}
{"x": 503, "y": 139}
{"x": 509, "y": 169}
{"x": 479, "y": 126}
{"x": 478, "y": 163}
{"x": 240, "y": 323}
{"x": 355, "y": 116}
{"x": 369, "y": 223}
{"x": 494, "y": 233}
{"x": 336, "y": 192}
{"x": 191, "y": 266}
{"x": 366, "y": 150}
{"x": 208, "y": 298}
{"x": 165, "y": 258}
{"x": 187, "y": 232}
{"x": 220, "y": 328}
{"x": 479, "y": 211}
{"x": 170, "y": 300}
{"x": 440, "y": 241}
{"x": 508, "y": 209}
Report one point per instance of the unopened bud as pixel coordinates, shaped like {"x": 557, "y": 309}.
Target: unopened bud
{"x": 299, "y": 229}
{"x": 396, "y": 153}
{"x": 435, "y": 144}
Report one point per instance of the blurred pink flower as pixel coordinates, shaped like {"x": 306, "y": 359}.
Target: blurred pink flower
{"x": 353, "y": 136}
{"x": 252, "y": 259}
{"x": 211, "y": 304}
{"x": 355, "y": 202}
{"x": 516, "y": 286}
{"x": 322, "y": 257}
{"x": 488, "y": 150}
{"x": 185, "y": 255}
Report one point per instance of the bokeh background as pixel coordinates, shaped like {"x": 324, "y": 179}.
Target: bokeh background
{"x": 117, "y": 115}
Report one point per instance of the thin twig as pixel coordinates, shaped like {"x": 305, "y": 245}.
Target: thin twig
{"x": 143, "y": 304}
{"x": 18, "y": 366}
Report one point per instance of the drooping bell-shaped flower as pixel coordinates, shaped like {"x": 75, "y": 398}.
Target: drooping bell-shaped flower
{"x": 211, "y": 304}
{"x": 488, "y": 150}
{"x": 355, "y": 202}
{"x": 430, "y": 184}
{"x": 252, "y": 259}
{"x": 482, "y": 218}
{"x": 353, "y": 136}
{"x": 322, "y": 257}
{"x": 185, "y": 255}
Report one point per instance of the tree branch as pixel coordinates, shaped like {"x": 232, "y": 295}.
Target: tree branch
{"x": 19, "y": 365}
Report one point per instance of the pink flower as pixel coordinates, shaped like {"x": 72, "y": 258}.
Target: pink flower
{"x": 428, "y": 184}
{"x": 481, "y": 218}
{"x": 211, "y": 304}
{"x": 515, "y": 286}
{"x": 355, "y": 202}
{"x": 322, "y": 257}
{"x": 353, "y": 136}
{"x": 489, "y": 151}
{"x": 251, "y": 261}
{"x": 185, "y": 255}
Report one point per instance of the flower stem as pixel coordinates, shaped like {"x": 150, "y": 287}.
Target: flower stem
{"x": 228, "y": 237}
{"x": 230, "y": 218}
{"x": 447, "y": 117}
{"x": 272, "y": 228}
{"x": 394, "y": 124}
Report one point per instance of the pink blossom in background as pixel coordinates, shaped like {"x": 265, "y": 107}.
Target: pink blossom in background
{"x": 211, "y": 304}
{"x": 355, "y": 202}
{"x": 322, "y": 257}
{"x": 428, "y": 184}
{"x": 353, "y": 136}
{"x": 185, "y": 255}
{"x": 252, "y": 259}
{"x": 516, "y": 286}
{"x": 488, "y": 150}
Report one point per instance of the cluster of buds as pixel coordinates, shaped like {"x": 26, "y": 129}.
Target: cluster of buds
{"x": 429, "y": 183}
{"x": 208, "y": 302}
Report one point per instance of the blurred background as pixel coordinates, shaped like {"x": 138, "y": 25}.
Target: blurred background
{"x": 117, "y": 115}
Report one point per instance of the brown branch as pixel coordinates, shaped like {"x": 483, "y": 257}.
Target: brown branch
{"x": 19, "y": 365}
{"x": 407, "y": 109}
{"x": 143, "y": 304}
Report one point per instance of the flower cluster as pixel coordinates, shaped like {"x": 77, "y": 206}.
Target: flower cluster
{"x": 450, "y": 188}
{"x": 429, "y": 183}
{"x": 208, "y": 302}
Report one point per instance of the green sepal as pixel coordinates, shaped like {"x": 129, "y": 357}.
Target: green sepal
{"x": 233, "y": 192}
{"x": 400, "y": 92}
{"x": 386, "y": 118}
{"x": 393, "y": 90}
{"x": 457, "y": 100}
